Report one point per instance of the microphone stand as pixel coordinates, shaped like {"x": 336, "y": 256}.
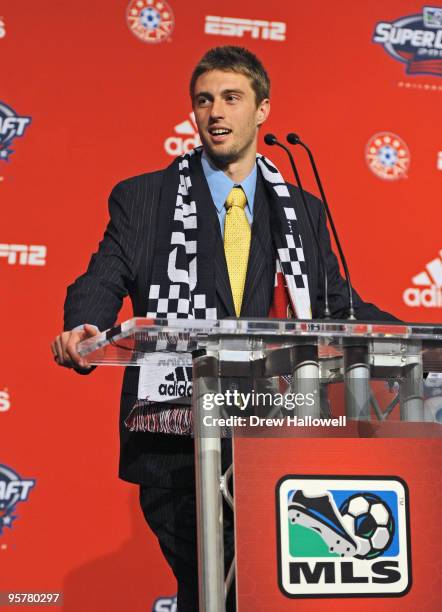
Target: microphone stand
{"x": 295, "y": 140}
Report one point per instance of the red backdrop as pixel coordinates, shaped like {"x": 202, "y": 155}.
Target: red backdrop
{"x": 104, "y": 104}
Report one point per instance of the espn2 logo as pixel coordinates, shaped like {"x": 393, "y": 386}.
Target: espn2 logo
{"x": 232, "y": 26}
{"x": 341, "y": 536}
{"x": 23, "y": 255}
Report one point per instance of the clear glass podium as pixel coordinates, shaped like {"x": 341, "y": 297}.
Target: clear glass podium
{"x": 274, "y": 384}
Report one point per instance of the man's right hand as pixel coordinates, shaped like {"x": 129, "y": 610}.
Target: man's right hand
{"x": 64, "y": 347}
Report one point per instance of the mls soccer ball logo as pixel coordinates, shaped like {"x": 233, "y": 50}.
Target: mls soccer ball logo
{"x": 341, "y": 536}
{"x": 151, "y": 21}
{"x": 388, "y": 156}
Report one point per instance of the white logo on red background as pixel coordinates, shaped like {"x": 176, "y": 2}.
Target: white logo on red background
{"x": 151, "y": 21}
{"x": 12, "y": 126}
{"x": 427, "y": 291}
{"x": 165, "y": 604}
{"x": 439, "y": 160}
{"x": 2, "y": 27}
{"x": 257, "y": 28}
{"x": 13, "y": 489}
{"x": 24, "y": 255}
{"x": 187, "y": 138}
{"x": 388, "y": 156}
{"x": 5, "y": 400}
{"x": 414, "y": 40}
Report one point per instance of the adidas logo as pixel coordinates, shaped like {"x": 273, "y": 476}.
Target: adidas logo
{"x": 180, "y": 384}
{"x": 431, "y": 279}
{"x": 188, "y": 138}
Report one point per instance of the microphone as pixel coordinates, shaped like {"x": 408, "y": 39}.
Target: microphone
{"x": 294, "y": 139}
{"x": 270, "y": 139}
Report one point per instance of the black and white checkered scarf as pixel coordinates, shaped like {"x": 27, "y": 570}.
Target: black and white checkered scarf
{"x": 182, "y": 284}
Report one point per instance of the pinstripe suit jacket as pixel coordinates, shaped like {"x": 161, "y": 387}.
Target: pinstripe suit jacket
{"x": 123, "y": 264}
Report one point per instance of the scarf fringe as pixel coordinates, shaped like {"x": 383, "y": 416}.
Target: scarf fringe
{"x": 159, "y": 419}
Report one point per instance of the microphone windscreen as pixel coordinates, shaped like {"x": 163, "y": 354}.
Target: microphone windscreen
{"x": 293, "y": 138}
{"x": 270, "y": 139}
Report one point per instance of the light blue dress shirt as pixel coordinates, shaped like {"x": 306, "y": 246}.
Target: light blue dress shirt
{"x": 220, "y": 186}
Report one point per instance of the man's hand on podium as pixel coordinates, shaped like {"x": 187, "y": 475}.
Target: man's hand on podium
{"x": 64, "y": 347}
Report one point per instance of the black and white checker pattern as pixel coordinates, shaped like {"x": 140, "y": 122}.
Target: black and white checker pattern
{"x": 172, "y": 302}
{"x": 201, "y": 310}
{"x": 289, "y": 246}
{"x": 169, "y": 302}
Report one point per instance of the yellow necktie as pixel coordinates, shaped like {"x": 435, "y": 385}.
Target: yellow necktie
{"x": 237, "y": 236}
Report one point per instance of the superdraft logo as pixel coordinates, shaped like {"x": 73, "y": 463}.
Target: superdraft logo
{"x": 13, "y": 489}
{"x": 341, "y": 536}
{"x": 415, "y": 40}
{"x": 151, "y": 21}
{"x": 427, "y": 290}
{"x": 12, "y": 126}
{"x": 235, "y": 26}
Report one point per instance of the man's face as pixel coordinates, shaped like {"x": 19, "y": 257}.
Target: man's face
{"x": 227, "y": 116}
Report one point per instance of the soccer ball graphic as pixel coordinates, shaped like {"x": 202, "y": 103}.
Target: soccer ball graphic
{"x": 369, "y": 518}
{"x": 150, "y": 18}
{"x": 387, "y": 156}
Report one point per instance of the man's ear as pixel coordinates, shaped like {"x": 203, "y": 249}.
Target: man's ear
{"x": 263, "y": 111}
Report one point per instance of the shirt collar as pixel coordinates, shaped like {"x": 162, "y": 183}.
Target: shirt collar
{"x": 220, "y": 184}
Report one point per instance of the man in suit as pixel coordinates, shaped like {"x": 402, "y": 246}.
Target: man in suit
{"x": 230, "y": 97}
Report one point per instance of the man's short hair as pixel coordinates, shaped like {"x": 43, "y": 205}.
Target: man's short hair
{"x": 234, "y": 59}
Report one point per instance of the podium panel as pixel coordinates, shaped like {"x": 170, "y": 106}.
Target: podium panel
{"x": 389, "y": 489}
